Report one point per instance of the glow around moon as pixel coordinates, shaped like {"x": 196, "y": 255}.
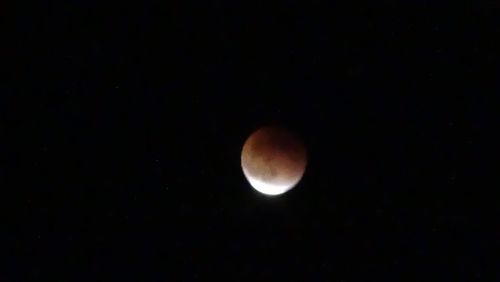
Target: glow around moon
{"x": 273, "y": 160}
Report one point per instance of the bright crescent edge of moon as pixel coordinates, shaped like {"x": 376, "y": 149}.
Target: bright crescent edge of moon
{"x": 266, "y": 188}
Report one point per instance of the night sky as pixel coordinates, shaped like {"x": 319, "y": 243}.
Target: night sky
{"x": 122, "y": 127}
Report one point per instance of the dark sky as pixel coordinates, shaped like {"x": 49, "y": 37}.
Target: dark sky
{"x": 123, "y": 126}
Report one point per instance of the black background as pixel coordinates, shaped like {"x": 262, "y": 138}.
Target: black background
{"x": 123, "y": 125}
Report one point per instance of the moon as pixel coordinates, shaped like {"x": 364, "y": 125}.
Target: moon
{"x": 273, "y": 160}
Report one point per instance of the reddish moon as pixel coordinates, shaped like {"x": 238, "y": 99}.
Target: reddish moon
{"x": 273, "y": 160}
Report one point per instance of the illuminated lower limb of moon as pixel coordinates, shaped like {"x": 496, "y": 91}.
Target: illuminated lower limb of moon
{"x": 267, "y": 188}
